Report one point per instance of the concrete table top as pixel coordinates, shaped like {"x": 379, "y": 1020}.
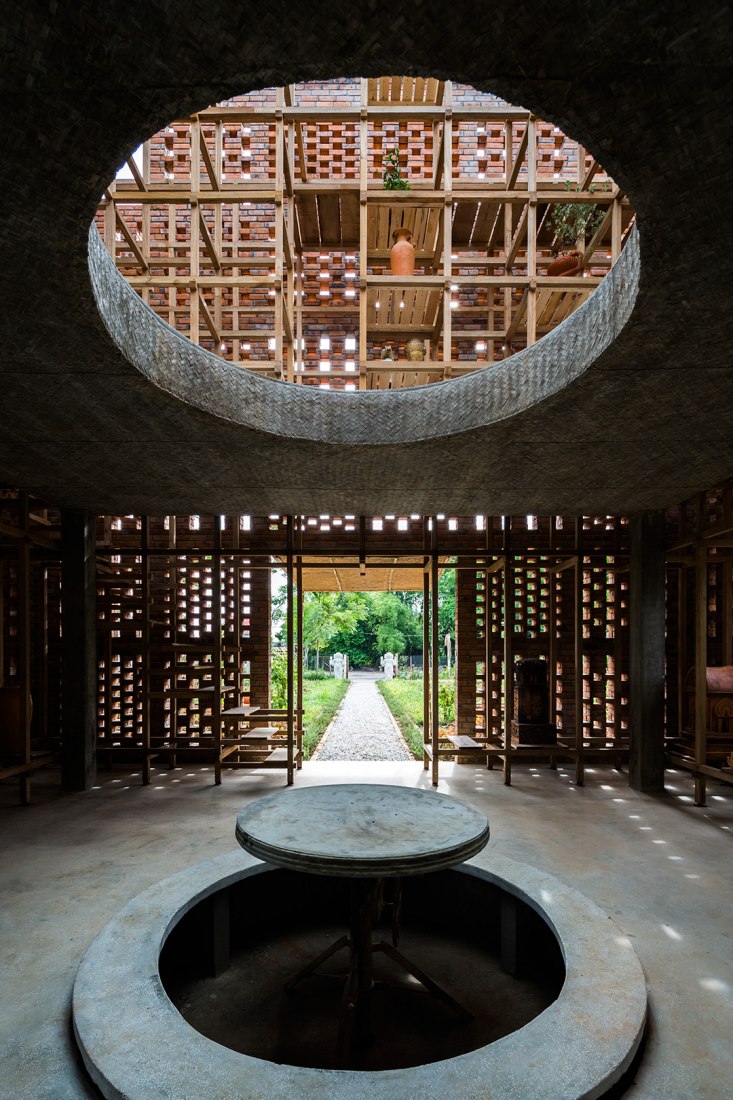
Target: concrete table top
{"x": 362, "y": 830}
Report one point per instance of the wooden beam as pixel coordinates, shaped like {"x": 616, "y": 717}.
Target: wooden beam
{"x": 208, "y": 319}
{"x": 136, "y": 174}
{"x": 521, "y": 153}
{"x": 588, "y": 177}
{"x": 131, "y": 242}
{"x": 597, "y": 236}
{"x": 208, "y": 243}
{"x": 208, "y": 163}
{"x": 516, "y": 240}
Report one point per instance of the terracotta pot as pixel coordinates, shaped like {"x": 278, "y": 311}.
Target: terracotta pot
{"x": 569, "y": 264}
{"x": 402, "y": 255}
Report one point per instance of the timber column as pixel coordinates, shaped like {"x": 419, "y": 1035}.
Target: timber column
{"x": 79, "y": 649}
{"x": 646, "y": 644}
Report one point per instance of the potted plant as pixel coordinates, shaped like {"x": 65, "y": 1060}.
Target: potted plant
{"x": 568, "y": 222}
{"x": 392, "y": 175}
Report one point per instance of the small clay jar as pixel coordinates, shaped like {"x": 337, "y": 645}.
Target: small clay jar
{"x": 402, "y": 255}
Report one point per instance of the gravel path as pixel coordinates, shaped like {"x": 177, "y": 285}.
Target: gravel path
{"x": 364, "y": 728}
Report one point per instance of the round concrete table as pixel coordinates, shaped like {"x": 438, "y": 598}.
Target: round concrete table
{"x": 367, "y": 833}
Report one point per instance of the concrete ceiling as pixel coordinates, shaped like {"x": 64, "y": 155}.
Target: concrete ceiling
{"x": 624, "y": 407}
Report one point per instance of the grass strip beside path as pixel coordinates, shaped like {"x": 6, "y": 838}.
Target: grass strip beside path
{"x": 321, "y": 700}
{"x": 405, "y": 699}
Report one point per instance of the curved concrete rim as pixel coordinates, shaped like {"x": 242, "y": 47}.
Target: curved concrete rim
{"x": 136, "y": 1045}
{"x": 489, "y": 395}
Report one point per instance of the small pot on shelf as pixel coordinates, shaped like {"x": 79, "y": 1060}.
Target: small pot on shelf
{"x": 570, "y": 263}
{"x": 402, "y": 253}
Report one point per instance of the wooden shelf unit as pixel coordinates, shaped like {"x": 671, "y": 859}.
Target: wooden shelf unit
{"x": 700, "y": 628}
{"x": 544, "y": 586}
{"x": 479, "y": 291}
{"x": 184, "y": 636}
{"x": 30, "y": 596}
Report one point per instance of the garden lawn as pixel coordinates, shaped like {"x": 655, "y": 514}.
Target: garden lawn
{"x": 405, "y": 699}
{"x": 321, "y": 700}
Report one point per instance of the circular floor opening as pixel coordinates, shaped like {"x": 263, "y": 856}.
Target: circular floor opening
{"x": 226, "y": 965}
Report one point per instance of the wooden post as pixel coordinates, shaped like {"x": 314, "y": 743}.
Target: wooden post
{"x": 447, "y": 231}
{"x": 218, "y": 679}
{"x": 290, "y": 651}
{"x": 145, "y": 671}
{"x": 727, "y": 612}
{"x": 615, "y": 230}
{"x": 195, "y": 231}
{"x": 508, "y": 211}
{"x": 426, "y": 696}
{"x": 24, "y": 647}
{"x": 434, "y": 655}
{"x": 299, "y": 353}
{"x": 507, "y": 614}
{"x": 532, "y": 231}
{"x": 701, "y": 660}
{"x": 646, "y": 642}
{"x": 79, "y": 655}
{"x": 552, "y": 629}
{"x": 363, "y": 231}
{"x": 279, "y": 232}
{"x": 578, "y": 656}
{"x": 299, "y": 645}
{"x": 682, "y": 658}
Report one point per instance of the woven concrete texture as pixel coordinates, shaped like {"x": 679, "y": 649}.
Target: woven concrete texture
{"x": 583, "y": 425}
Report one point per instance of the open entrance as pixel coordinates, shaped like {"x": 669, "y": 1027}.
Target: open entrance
{"x": 363, "y": 651}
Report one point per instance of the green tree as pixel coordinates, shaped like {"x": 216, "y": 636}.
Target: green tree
{"x": 398, "y": 625}
{"x": 325, "y": 615}
{"x": 447, "y": 609}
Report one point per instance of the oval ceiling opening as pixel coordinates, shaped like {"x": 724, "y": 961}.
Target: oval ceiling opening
{"x": 364, "y": 234}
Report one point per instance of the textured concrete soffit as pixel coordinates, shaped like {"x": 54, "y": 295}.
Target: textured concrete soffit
{"x": 622, "y": 408}
{"x": 503, "y": 390}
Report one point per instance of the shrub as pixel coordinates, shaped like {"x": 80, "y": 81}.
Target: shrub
{"x": 447, "y": 702}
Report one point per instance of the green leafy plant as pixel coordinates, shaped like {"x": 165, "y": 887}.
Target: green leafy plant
{"x": 447, "y": 702}
{"x": 571, "y": 220}
{"x": 392, "y": 174}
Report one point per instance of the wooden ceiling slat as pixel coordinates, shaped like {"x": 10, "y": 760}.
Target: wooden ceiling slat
{"x": 484, "y": 224}
{"x": 350, "y": 219}
{"x": 329, "y": 217}
{"x": 308, "y": 218}
{"x": 463, "y": 220}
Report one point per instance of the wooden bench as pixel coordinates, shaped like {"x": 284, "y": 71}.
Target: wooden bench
{"x": 249, "y": 739}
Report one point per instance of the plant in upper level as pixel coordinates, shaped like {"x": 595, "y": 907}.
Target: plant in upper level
{"x": 392, "y": 174}
{"x": 572, "y": 220}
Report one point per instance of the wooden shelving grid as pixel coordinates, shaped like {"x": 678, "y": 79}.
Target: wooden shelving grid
{"x": 260, "y": 266}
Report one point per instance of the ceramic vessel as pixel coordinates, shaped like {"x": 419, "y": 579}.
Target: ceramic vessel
{"x": 569, "y": 264}
{"x": 415, "y": 350}
{"x": 402, "y": 255}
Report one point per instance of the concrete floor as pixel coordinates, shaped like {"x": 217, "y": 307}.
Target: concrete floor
{"x": 658, "y": 865}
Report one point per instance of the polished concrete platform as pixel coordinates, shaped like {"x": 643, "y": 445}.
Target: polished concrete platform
{"x": 658, "y": 865}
